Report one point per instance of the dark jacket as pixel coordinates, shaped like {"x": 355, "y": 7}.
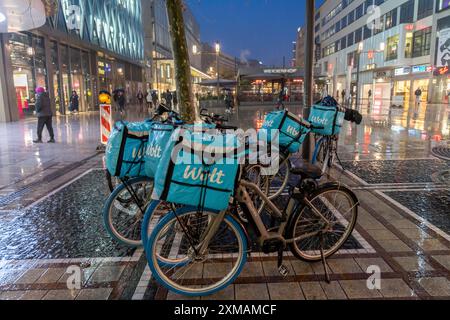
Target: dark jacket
{"x": 74, "y": 102}
{"x": 43, "y": 107}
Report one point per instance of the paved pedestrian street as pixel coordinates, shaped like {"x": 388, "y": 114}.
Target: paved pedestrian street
{"x": 51, "y": 224}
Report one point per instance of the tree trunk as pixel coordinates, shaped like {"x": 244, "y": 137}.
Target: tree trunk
{"x": 181, "y": 60}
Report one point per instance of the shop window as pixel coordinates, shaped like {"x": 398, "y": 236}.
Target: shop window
{"x": 392, "y": 48}
{"x": 409, "y": 45}
{"x": 422, "y": 42}
{"x": 425, "y": 9}
{"x": 407, "y": 12}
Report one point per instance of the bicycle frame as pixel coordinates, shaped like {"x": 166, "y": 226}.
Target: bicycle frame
{"x": 243, "y": 197}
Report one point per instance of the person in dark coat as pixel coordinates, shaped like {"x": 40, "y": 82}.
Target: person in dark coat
{"x": 155, "y": 99}
{"x": 140, "y": 98}
{"x": 44, "y": 114}
{"x": 169, "y": 98}
{"x": 119, "y": 98}
{"x": 74, "y": 102}
{"x": 175, "y": 99}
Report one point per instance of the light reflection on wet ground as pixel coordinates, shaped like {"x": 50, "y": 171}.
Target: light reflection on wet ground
{"x": 433, "y": 206}
{"x": 68, "y": 224}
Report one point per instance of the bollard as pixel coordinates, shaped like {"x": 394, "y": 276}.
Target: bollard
{"x": 105, "y": 119}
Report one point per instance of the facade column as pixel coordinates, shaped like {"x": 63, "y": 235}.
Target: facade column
{"x": 95, "y": 81}
{"x": 62, "y": 100}
{"x": 8, "y": 100}
{"x": 50, "y": 73}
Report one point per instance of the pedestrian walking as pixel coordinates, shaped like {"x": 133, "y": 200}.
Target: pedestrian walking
{"x": 175, "y": 100}
{"x": 281, "y": 99}
{"x": 343, "y": 96}
{"x": 418, "y": 95}
{"x": 148, "y": 99}
{"x": 119, "y": 98}
{"x": 44, "y": 114}
{"x": 140, "y": 99}
{"x": 228, "y": 102}
{"x": 168, "y": 98}
{"x": 155, "y": 99}
{"x": 74, "y": 102}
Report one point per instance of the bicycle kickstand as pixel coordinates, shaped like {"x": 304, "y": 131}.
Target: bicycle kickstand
{"x": 282, "y": 269}
{"x": 324, "y": 261}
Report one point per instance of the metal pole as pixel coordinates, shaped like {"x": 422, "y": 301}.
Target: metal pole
{"x": 309, "y": 54}
{"x": 358, "y": 58}
{"x": 218, "y": 88}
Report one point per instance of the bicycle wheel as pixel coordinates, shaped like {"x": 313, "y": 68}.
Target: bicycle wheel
{"x": 279, "y": 182}
{"x": 154, "y": 213}
{"x": 339, "y": 206}
{"x": 113, "y": 183}
{"x": 179, "y": 236}
{"x": 124, "y": 210}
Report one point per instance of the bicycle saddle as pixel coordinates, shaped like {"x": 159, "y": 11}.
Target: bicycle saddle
{"x": 307, "y": 171}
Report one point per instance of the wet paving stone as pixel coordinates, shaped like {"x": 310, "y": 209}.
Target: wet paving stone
{"x": 68, "y": 224}
{"x": 397, "y": 171}
{"x": 430, "y": 205}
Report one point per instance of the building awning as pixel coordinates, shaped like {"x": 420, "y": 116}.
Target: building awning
{"x": 271, "y": 74}
{"x": 199, "y": 74}
{"x": 223, "y": 83}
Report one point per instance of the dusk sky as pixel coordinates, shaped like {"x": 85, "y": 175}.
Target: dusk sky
{"x": 258, "y": 29}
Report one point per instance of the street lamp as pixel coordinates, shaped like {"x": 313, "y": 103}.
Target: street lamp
{"x": 217, "y": 47}
{"x": 358, "y": 61}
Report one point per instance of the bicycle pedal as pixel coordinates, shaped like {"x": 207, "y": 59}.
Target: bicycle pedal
{"x": 283, "y": 270}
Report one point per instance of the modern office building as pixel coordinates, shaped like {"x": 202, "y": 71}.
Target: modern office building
{"x": 161, "y": 47}
{"x": 85, "y": 46}
{"x": 388, "y": 48}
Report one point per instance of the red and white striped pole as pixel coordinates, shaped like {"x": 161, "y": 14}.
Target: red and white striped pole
{"x": 106, "y": 120}
{"x": 105, "y": 123}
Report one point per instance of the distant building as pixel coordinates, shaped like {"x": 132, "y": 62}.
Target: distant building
{"x": 299, "y": 48}
{"x": 88, "y": 47}
{"x": 159, "y": 45}
{"x": 228, "y": 65}
{"x": 406, "y": 48}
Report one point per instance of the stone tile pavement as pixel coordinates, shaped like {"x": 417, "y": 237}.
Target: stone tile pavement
{"x": 411, "y": 249}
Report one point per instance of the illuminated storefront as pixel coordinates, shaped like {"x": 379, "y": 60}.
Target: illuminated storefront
{"x": 265, "y": 85}
{"x": 82, "y": 48}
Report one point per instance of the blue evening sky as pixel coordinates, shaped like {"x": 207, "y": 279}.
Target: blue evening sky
{"x": 258, "y": 29}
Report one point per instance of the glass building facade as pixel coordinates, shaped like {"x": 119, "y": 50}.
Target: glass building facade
{"x": 86, "y": 46}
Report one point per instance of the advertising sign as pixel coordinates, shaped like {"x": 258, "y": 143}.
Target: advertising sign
{"x": 443, "y": 52}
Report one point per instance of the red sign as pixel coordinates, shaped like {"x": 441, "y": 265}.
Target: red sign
{"x": 370, "y": 54}
{"x": 442, "y": 71}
